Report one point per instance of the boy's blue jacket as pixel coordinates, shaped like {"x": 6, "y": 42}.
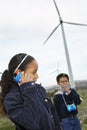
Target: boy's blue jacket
{"x": 30, "y": 108}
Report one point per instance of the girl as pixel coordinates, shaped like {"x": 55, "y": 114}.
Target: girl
{"x": 24, "y": 101}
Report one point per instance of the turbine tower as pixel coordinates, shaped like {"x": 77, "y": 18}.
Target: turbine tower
{"x": 65, "y": 43}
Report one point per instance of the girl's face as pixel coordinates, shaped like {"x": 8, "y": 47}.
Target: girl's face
{"x": 31, "y": 70}
{"x": 63, "y": 82}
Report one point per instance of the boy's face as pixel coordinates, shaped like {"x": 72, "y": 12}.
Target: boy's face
{"x": 63, "y": 82}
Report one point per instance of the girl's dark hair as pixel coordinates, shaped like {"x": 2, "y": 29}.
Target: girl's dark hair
{"x": 61, "y": 75}
{"x": 7, "y": 76}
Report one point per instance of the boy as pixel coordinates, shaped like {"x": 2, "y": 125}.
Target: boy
{"x": 66, "y": 101}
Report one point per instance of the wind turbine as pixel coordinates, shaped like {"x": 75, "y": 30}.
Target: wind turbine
{"x": 65, "y": 43}
{"x": 57, "y": 70}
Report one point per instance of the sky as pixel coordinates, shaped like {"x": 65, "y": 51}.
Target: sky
{"x": 25, "y": 25}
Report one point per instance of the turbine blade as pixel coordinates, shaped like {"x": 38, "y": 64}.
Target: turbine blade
{"x": 78, "y": 24}
{"x": 51, "y": 33}
{"x": 57, "y": 8}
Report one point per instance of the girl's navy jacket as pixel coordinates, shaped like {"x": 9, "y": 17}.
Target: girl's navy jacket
{"x": 30, "y": 108}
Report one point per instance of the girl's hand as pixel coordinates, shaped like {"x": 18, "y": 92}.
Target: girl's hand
{"x": 25, "y": 77}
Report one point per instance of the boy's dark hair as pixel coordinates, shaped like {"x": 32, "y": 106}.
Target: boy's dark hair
{"x": 61, "y": 75}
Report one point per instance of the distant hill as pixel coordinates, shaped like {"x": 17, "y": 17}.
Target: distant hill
{"x": 79, "y": 84}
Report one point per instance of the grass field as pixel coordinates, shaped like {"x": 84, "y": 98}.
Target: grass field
{"x": 6, "y": 124}
{"x": 83, "y": 108}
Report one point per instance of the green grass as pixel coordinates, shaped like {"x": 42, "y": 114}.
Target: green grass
{"x": 82, "y": 114}
{"x": 6, "y": 124}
